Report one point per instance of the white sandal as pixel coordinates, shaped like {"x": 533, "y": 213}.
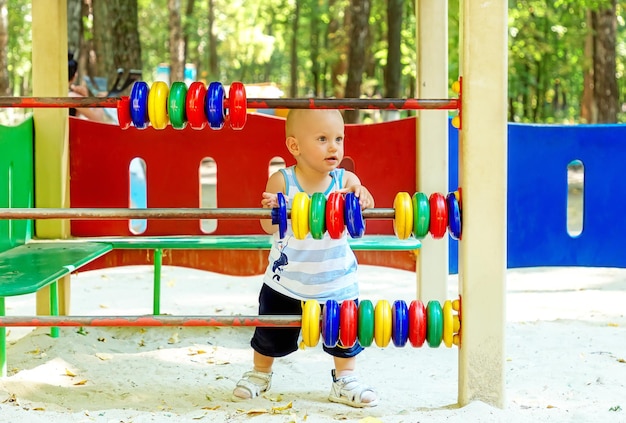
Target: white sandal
{"x": 349, "y": 391}
{"x": 255, "y": 383}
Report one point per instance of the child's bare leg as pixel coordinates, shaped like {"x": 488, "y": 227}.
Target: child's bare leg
{"x": 255, "y": 382}
{"x": 262, "y": 363}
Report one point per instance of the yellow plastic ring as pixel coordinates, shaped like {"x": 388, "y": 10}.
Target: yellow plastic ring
{"x": 157, "y": 105}
{"x": 448, "y": 324}
{"x": 382, "y": 323}
{"x": 403, "y": 219}
{"x": 300, "y": 215}
{"x": 311, "y": 323}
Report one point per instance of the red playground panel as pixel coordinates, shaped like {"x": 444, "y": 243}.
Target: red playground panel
{"x": 383, "y": 155}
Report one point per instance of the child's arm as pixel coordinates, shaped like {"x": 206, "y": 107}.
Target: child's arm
{"x": 276, "y": 183}
{"x": 352, "y": 183}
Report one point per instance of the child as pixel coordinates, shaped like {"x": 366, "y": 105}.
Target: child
{"x": 308, "y": 269}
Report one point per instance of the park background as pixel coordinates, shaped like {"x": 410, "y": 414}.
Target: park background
{"x": 567, "y": 58}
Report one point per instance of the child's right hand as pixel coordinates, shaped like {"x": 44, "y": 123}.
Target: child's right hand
{"x": 270, "y": 200}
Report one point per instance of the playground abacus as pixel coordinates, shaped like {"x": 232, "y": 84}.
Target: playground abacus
{"x": 200, "y": 105}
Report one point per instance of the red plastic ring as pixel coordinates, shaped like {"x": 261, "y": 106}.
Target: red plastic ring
{"x": 348, "y": 317}
{"x": 438, "y": 215}
{"x": 196, "y": 94}
{"x": 417, "y": 323}
{"x": 123, "y": 112}
{"x": 334, "y": 215}
{"x": 237, "y": 105}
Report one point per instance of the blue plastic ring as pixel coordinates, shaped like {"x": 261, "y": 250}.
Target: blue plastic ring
{"x": 279, "y": 215}
{"x": 353, "y": 216}
{"x": 330, "y": 323}
{"x": 399, "y": 323}
{"x": 139, "y": 104}
{"x": 454, "y": 216}
{"x": 214, "y": 105}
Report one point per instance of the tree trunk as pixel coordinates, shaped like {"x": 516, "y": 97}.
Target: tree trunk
{"x": 4, "y": 41}
{"x": 74, "y": 26}
{"x": 336, "y": 41}
{"x": 186, "y": 31}
{"x": 315, "y": 49}
{"x": 293, "y": 63}
{"x": 588, "y": 110}
{"x": 393, "y": 71}
{"x": 213, "y": 62}
{"x": 116, "y": 37}
{"x": 176, "y": 42}
{"x": 604, "y": 63}
{"x": 360, "y": 12}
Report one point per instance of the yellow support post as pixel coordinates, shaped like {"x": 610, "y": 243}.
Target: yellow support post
{"x": 50, "y": 79}
{"x": 483, "y": 177}
{"x": 432, "y": 139}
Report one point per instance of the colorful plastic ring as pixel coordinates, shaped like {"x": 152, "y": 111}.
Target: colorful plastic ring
{"x": 366, "y": 323}
{"x": 417, "y": 323}
{"x": 348, "y": 323}
{"x": 403, "y": 218}
{"x": 335, "y": 215}
{"x": 139, "y": 104}
{"x": 421, "y": 215}
{"x": 330, "y": 323}
{"x": 157, "y": 105}
{"x": 311, "y": 323}
{"x": 434, "y": 332}
{"x": 196, "y": 96}
{"x": 176, "y": 104}
{"x": 438, "y": 215}
{"x": 279, "y": 215}
{"x": 123, "y": 112}
{"x": 454, "y": 216}
{"x": 354, "y": 216}
{"x": 400, "y": 323}
{"x": 237, "y": 105}
{"x": 448, "y": 324}
{"x": 382, "y": 323}
{"x": 317, "y": 215}
{"x": 300, "y": 215}
{"x": 214, "y": 105}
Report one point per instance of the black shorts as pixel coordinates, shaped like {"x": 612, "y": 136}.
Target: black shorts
{"x": 279, "y": 342}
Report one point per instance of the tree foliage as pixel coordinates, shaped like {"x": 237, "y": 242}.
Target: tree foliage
{"x": 254, "y": 41}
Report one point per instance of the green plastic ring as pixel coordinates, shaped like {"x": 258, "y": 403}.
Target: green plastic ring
{"x": 421, "y": 215}
{"x": 366, "y": 323}
{"x": 176, "y": 105}
{"x": 317, "y": 215}
{"x": 434, "y": 319}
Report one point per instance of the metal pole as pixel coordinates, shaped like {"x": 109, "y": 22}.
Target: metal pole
{"x": 159, "y": 213}
{"x": 252, "y": 103}
{"x": 150, "y": 321}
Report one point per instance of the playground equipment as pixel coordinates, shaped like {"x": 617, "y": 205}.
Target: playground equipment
{"x": 483, "y": 167}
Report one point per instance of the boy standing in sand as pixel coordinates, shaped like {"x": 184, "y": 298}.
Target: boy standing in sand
{"x": 308, "y": 269}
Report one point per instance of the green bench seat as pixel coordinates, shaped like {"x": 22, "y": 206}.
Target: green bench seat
{"x": 246, "y": 242}
{"x": 28, "y": 268}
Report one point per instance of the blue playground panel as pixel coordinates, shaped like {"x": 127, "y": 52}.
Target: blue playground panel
{"x": 538, "y": 156}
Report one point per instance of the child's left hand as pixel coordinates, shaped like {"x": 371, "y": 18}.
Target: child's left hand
{"x": 366, "y": 200}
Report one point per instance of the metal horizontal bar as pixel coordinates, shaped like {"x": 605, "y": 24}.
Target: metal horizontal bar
{"x": 252, "y": 103}
{"x": 158, "y": 213}
{"x": 150, "y": 321}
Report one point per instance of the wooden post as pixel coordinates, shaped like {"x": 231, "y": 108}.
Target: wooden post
{"x": 432, "y": 139}
{"x": 50, "y": 79}
{"x": 483, "y": 177}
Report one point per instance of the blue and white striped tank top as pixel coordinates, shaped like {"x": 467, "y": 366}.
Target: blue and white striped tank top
{"x": 310, "y": 268}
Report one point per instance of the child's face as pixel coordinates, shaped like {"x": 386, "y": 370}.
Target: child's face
{"x": 320, "y": 138}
